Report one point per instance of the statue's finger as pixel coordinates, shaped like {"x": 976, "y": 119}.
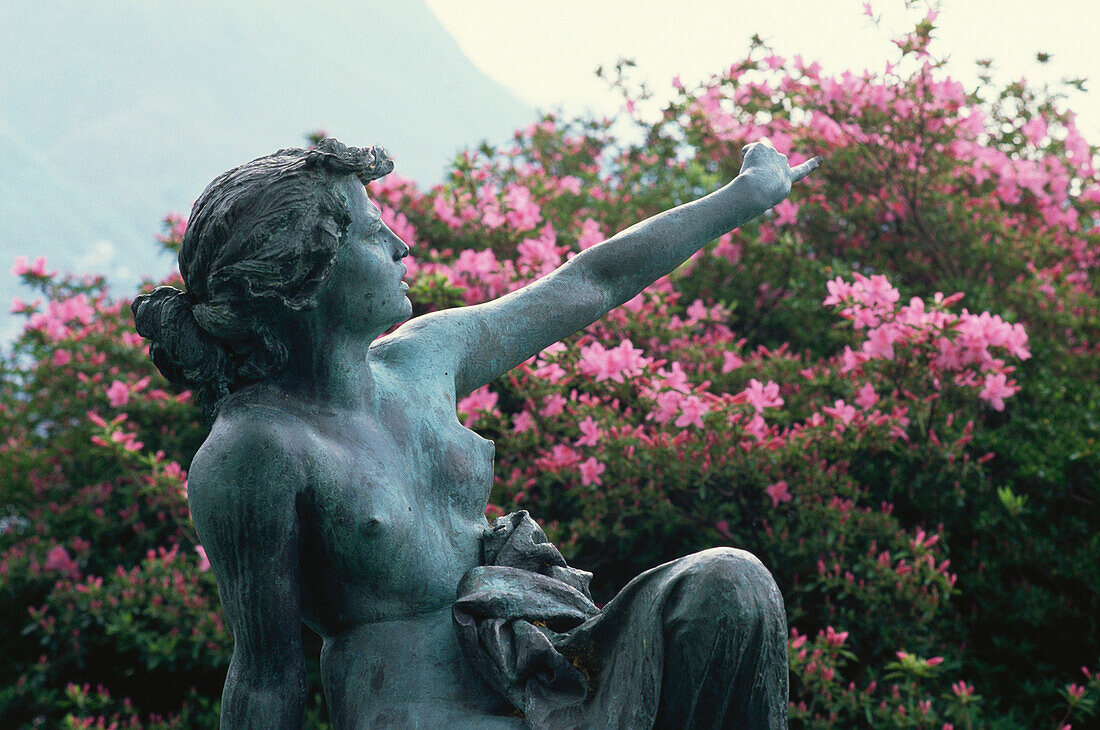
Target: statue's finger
{"x": 801, "y": 171}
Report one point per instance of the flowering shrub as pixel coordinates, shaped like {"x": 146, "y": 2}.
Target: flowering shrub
{"x": 885, "y": 388}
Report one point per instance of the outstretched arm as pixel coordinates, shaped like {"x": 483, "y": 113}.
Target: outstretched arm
{"x": 633, "y": 259}
{"x": 479, "y": 343}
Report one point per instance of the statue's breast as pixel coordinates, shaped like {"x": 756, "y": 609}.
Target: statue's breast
{"x": 461, "y": 464}
{"x": 392, "y": 522}
{"x": 449, "y": 466}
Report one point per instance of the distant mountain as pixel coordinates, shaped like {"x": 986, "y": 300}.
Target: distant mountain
{"x": 113, "y": 113}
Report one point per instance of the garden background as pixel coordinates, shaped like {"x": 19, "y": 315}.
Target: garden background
{"x": 886, "y": 388}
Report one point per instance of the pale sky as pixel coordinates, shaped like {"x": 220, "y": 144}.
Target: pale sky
{"x": 545, "y": 51}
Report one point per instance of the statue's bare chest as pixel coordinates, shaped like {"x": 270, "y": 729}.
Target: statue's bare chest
{"x": 395, "y": 512}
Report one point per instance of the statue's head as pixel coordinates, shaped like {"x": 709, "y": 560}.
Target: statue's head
{"x": 260, "y": 241}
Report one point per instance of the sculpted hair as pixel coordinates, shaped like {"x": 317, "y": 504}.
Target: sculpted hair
{"x": 259, "y": 243}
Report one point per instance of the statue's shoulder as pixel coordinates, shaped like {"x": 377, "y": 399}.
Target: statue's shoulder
{"x": 421, "y": 348}
{"x": 255, "y": 444}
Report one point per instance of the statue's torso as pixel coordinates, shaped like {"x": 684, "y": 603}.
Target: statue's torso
{"x": 393, "y": 516}
{"x": 391, "y": 519}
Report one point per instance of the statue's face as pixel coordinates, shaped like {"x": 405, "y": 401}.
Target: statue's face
{"x": 364, "y": 291}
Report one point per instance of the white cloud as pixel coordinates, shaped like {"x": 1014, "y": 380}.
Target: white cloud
{"x": 97, "y": 257}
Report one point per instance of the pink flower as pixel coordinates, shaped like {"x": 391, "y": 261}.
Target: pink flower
{"x": 489, "y": 207}
{"x": 58, "y": 559}
{"x": 591, "y": 234}
{"x": 841, "y": 411}
{"x": 478, "y": 401}
{"x": 996, "y": 389}
{"x": 128, "y": 440}
{"x": 880, "y": 342}
{"x": 591, "y": 431}
{"x": 61, "y": 357}
{"x": 570, "y": 184}
{"x": 866, "y": 397}
{"x": 876, "y": 290}
{"x": 204, "y": 562}
{"x": 668, "y": 406}
{"x": 692, "y": 410}
{"x": 401, "y": 227}
{"x": 786, "y": 213}
{"x": 614, "y": 364}
{"x": 852, "y": 360}
{"x": 524, "y": 213}
{"x": 1016, "y": 342}
{"x": 962, "y": 689}
{"x": 779, "y": 493}
{"x": 552, "y": 405}
{"x": 756, "y": 427}
{"x": 763, "y": 396}
{"x": 559, "y": 457}
{"x": 675, "y": 378}
{"x": 539, "y": 255}
{"x": 697, "y": 311}
{"x": 522, "y": 422}
{"x": 38, "y": 268}
{"x": 839, "y": 292}
{"x": 1035, "y": 130}
{"x": 549, "y": 371}
{"x": 118, "y": 394}
{"x": 132, "y": 339}
{"x": 590, "y": 470}
{"x": 834, "y": 637}
{"x": 730, "y": 362}
{"x": 445, "y": 210}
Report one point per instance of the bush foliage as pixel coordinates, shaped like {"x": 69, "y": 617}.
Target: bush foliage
{"x": 885, "y": 388}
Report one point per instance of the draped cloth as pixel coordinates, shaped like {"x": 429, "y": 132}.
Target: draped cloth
{"x": 698, "y": 642}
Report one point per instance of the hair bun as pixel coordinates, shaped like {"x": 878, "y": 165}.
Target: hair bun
{"x": 183, "y": 352}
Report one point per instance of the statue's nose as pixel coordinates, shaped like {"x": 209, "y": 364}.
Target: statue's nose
{"x": 400, "y": 248}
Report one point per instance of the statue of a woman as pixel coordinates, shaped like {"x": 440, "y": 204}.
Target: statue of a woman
{"x": 337, "y": 486}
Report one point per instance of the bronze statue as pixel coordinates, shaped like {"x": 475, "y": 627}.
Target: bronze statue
{"x": 337, "y": 486}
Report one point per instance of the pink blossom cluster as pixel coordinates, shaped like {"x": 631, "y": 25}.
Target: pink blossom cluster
{"x": 492, "y": 206}
{"x": 615, "y": 364}
{"x": 35, "y": 270}
{"x": 482, "y": 399}
{"x": 964, "y": 345}
{"x": 111, "y": 433}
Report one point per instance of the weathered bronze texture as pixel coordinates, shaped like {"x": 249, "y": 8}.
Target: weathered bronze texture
{"x": 338, "y": 488}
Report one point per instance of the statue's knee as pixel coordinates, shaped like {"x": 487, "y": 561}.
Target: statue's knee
{"x": 729, "y": 582}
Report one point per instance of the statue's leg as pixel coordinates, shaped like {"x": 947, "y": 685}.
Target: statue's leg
{"x": 725, "y": 636}
{"x": 699, "y": 642}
